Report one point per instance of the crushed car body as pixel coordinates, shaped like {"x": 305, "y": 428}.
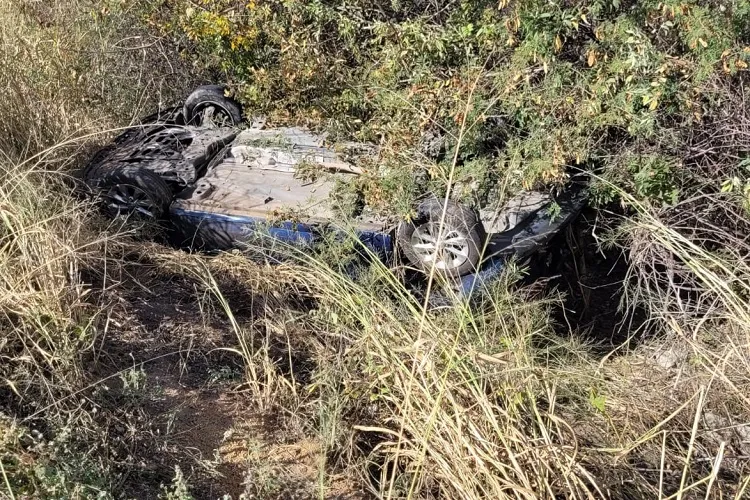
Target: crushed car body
{"x": 218, "y": 183}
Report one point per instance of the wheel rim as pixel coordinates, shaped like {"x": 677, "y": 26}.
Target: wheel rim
{"x": 212, "y": 115}
{"x": 125, "y": 199}
{"x": 451, "y": 252}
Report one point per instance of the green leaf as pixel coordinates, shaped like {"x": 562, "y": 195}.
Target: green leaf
{"x": 598, "y": 401}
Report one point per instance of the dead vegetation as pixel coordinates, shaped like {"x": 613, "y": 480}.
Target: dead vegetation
{"x": 130, "y": 370}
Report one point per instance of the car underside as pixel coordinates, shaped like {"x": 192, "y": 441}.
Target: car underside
{"x": 219, "y": 183}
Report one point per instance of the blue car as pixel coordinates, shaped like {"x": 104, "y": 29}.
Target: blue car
{"x": 218, "y": 182}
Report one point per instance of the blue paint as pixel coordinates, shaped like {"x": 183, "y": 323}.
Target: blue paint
{"x": 220, "y": 231}
{"x": 214, "y": 231}
{"x": 471, "y": 283}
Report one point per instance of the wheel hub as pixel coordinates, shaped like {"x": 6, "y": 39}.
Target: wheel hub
{"x": 124, "y": 199}
{"x": 213, "y": 116}
{"x": 447, "y": 253}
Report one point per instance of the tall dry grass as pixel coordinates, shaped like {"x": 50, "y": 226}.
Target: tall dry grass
{"x": 493, "y": 400}
{"x": 71, "y": 69}
{"x": 490, "y": 400}
{"x": 77, "y": 68}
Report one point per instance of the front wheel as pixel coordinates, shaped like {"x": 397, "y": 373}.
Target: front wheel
{"x": 453, "y": 249}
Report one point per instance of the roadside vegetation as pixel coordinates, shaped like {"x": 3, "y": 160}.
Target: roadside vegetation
{"x": 617, "y": 85}
{"x": 132, "y": 370}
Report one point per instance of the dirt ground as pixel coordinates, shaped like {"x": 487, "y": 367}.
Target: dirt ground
{"x": 179, "y": 400}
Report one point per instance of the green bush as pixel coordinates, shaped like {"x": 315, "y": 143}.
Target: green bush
{"x": 616, "y": 85}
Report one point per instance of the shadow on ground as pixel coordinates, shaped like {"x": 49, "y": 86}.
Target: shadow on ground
{"x": 593, "y": 282}
{"x": 173, "y": 396}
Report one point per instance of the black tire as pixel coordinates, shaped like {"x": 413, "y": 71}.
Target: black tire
{"x": 463, "y": 236}
{"x": 91, "y": 169}
{"x": 208, "y": 103}
{"x": 132, "y": 191}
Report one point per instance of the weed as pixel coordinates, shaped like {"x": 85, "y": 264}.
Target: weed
{"x": 488, "y": 399}
{"x": 178, "y": 490}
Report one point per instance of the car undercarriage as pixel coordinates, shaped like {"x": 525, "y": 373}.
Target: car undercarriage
{"x": 218, "y": 182}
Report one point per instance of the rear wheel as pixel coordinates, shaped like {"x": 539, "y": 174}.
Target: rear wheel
{"x": 134, "y": 192}
{"x": 208, "y": 107}
{"x": 169, "y": 116}
{"x": 453, "y": 250}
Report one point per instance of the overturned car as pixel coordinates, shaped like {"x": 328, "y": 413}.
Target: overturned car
{"x": 217, "y": 182}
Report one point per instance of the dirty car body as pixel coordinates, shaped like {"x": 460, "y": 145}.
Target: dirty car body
{"x": 228, "y": 182}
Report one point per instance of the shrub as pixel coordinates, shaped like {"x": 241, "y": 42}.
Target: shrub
{"x": 539, "y": 86}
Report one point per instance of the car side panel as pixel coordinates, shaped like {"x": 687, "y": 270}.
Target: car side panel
{"x": 216, "y": 231}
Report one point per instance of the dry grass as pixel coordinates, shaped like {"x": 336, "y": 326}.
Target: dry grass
{"x": 491, "y": 402}
{"x": 77, "y": 68}
{"x": 488, "y": 401}
{"x": 70, "y": 70}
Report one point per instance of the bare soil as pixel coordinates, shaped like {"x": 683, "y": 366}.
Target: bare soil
{"x": 189, "y": 407}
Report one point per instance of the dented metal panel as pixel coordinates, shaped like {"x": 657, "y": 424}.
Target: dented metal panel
{"x": 514, "y": 212}
{"x": 258, "y": 176}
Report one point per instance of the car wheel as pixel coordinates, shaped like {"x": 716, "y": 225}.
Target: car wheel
{"x": 134, "y": 192}
{"x": 208, "y": 107}
{"x": 454, "y": 251}
{"x": 91, "y": 169}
